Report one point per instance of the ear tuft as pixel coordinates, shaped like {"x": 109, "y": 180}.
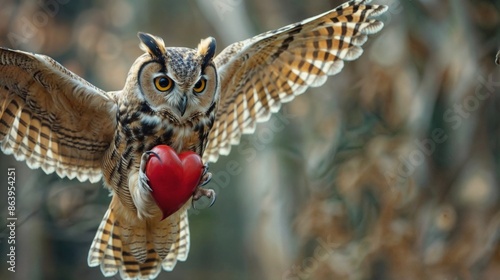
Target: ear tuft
{"x": 152, "y": 44}
{"x": 206, "y": 49}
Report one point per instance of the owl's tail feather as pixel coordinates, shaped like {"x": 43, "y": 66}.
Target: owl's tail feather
{"x": 106, "y": 247}
{"x": 179, "y": 249}
{"x": 132, "y": 269}
{"x": 113, "y": 256}
{"x": 135, "y": 253}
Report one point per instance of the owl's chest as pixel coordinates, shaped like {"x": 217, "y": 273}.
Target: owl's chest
{"x": 179, "y": 138}
{"x": 141, "y": 136}
{"x": 134, "y": 138}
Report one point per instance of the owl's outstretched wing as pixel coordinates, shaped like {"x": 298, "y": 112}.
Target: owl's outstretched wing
{"x": 52, "y": 118}
{"x": 260, "y": 73}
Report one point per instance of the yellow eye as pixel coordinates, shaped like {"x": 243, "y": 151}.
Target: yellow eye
{"x": 200, "y": 85}
{"x": 163, "y": 83}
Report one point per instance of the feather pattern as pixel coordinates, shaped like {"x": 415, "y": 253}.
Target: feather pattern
{"x": 184, "y": 98}
{"x": 179, "y": 249}
{"x": 261, "y": 73}
{"x": 47, "y": 116}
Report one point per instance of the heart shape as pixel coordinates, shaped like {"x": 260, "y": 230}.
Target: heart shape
{"x": 172, "y": 178}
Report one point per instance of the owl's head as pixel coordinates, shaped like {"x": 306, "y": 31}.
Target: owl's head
{"x": 179, "y": 82}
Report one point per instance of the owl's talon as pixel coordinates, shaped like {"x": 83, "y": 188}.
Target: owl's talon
{"x": 205, "y": 169}
{"x": 205, "y": 179}
{"x": 200, "y": 192}
{"x": 214, "y": 198}
{"x": 145, "y": 156}
{"x": 143, "y": 178}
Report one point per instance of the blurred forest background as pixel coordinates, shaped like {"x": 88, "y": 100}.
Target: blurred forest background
{"x": 388, "y": 171}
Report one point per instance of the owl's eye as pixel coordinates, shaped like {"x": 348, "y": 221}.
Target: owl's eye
{"x": 200, "y": 85}
{"x": 163, "y": 83}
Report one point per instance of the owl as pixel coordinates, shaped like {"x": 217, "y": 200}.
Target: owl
{"x": 189, "y": 99}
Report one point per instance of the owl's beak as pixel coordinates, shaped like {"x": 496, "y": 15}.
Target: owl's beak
{"x": 182, "y": 105}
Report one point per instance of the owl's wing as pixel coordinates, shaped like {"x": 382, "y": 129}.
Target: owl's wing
{"x": 52, "y": 118}
{"x": 260, "y": 73}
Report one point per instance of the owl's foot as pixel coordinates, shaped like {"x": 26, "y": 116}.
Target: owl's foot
{"x": 205, "y": 176}
{"x": 201, "y": 192}
{"x": 143, "y": 178}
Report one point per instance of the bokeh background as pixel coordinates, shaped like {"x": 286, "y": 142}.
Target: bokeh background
{"x": 391, "y": 170}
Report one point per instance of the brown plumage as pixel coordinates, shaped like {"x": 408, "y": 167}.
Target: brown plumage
{"x": 185, "y": 98}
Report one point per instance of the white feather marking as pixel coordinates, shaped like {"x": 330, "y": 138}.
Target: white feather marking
{"x": 151, "y": 120}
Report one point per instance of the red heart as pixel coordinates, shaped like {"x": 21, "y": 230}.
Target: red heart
{"x": 173, "y": 178}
